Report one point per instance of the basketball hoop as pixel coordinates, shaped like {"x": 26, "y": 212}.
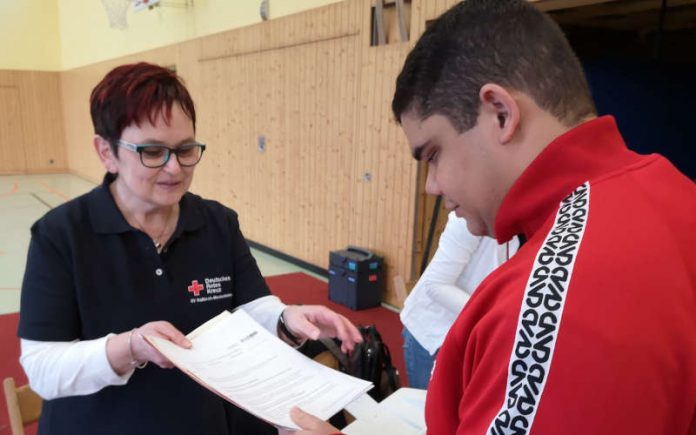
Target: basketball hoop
{"x": 117, "y": 11}
{"x": 139, "y": 5}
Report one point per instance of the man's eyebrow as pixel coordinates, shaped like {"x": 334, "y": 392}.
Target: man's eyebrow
{"x": 417, "y": 151}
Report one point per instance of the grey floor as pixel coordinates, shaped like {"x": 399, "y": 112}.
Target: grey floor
{"x": 25, "y": 198}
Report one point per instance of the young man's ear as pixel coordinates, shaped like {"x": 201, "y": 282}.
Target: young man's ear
{"x": 502, "y": 110}
{"x": 106, "y": 155}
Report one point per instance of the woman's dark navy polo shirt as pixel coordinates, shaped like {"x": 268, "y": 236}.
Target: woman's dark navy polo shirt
{"x": 89, "y": 273}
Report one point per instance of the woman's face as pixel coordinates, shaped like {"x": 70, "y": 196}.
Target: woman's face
{"x": 149, "y": 188}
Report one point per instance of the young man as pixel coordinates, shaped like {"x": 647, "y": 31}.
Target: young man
{"x": 591, "y": 327}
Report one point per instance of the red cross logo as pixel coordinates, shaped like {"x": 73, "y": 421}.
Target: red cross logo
{"x": 195, "y": 288}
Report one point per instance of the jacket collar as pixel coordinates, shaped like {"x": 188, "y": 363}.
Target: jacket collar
{"x": 581, "y": 154}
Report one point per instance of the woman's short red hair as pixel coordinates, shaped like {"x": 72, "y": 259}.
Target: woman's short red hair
{"x": 134, "y": 92}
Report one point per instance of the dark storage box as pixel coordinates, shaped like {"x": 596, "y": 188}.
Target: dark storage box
{"x": 355, "y": 278}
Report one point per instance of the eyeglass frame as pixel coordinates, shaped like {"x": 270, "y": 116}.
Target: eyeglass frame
{"x": 138, "y": 148}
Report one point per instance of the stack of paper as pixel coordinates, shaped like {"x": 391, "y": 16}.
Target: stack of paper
{"x": 401, "y": 413}
{"x": 236, "y": 358}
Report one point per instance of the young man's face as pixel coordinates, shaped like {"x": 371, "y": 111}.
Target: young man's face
{"x": 462, "y": 167}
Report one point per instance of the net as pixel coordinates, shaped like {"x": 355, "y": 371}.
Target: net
{"x": 117, "y": 11}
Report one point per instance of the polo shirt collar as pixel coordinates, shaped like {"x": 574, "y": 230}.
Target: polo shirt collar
{"x": 106, "y": 218}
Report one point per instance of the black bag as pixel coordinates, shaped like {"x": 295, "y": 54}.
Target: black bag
{"x": 370, "y": 360}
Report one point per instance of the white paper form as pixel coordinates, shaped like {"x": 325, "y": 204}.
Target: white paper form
{"x": 403, "y": 413}
{"x": 238, "y": 359}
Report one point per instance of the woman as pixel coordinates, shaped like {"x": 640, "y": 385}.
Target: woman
{"x": 136, "y": 256}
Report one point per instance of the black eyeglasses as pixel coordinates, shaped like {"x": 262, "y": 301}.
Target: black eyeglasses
{"x": 156, "y": 156}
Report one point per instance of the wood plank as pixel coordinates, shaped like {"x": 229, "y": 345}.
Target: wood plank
{"x": 12, "y": 159}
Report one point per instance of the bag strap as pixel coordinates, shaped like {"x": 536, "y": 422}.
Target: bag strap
{"x": 336, "y": 352}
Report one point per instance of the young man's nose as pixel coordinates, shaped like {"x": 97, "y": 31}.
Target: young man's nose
{"x": 431, "y": 186}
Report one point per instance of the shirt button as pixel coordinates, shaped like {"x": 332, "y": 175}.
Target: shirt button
{"x": 159, "y": 272}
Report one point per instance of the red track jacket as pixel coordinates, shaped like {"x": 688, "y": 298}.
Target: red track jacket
{"x": 591, "y": 327}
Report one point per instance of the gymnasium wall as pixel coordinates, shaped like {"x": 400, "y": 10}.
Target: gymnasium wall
{"x": 87, "y": 37}
{"x": 30, "y": 35}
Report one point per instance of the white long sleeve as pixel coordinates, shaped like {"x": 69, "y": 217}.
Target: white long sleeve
{"x": 61, "y": 368}
{"x": 265, "y": 310}
{"x": 460, "y": 263}
{"x": 450, "y": 297}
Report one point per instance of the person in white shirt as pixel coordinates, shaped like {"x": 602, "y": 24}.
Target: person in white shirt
{"x": 460, "y": 263}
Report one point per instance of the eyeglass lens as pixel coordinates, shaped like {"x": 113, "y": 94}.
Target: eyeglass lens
{"x": 156, "y": 156}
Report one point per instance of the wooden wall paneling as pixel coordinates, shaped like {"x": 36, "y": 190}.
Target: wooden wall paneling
{"x": 346, "y": 141}
{"x": 338, "y": 140}
{"x": 316, "y": 184}
{"x": 360, "y": 125}
{"x": 303, "y": 88}
{"x": 383, "y": 151}
{"x": 368, "y": 125}
{"x": 292, "y": 114}
{"x": 325, "y": 167}
{"x": 259, "y": 194}
{"x": 375, "y": 150}
{"x": 240, "y": 172}
{"x": 398, "y": 179}
{"x": 416, "y": 26}
{"x": 329, "y": 127}
{"x": 35, "y": 120}
{"x": 12, "y": 146}
{"x": 386, "y": 205}
{"x": 245, "y": 155}
{"x": 377, "y": 164}
{"x": 210, "y": 129}
{"x": 41, "y": 106}
{"x": 311, "y": 154}
{"x": 76, "y": 86}
{"x": 322, "y": 172}
{"x": 276, "y": 175}
{"x": 302, "y": 58}
{"x": 360, "y": 148}
{"x": 335, "y": 118}
{"x": 275, "y": 123}
{"x": 280, "y": 233}
{"x": 399, "y": 219}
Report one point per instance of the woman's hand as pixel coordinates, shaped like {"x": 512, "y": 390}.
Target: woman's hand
{"x": 316, "y": 321}
{"x": 120, "y": 354}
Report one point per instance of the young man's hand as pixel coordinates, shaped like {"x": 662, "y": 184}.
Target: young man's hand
{"x": 309, "y": 424}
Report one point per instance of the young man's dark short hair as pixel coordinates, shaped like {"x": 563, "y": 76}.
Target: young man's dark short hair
{"x": 506, "y": 42}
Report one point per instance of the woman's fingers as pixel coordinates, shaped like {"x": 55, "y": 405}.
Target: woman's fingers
{"x": 316, "y": 321}
{"x": 143, "y": 351}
